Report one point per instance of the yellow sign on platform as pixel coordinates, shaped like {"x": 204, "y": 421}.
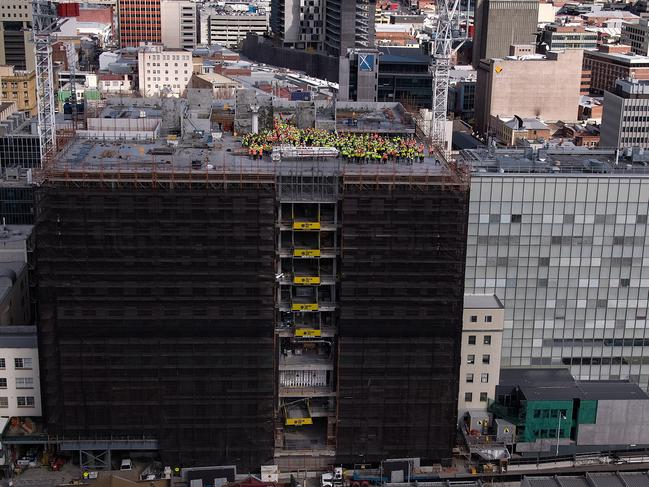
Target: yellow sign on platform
{"x": 306, "y": 253}
{"x": 305, "y": 280}
{"x": 306, "y": 225}
{"x": 304, "y": 307}
{"x": 307, "y": 332}
{"x": 298, "y": 421}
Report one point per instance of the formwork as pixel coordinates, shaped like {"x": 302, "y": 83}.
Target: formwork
{"x": 155, "y": 303}
{"x": 403, "y": 250}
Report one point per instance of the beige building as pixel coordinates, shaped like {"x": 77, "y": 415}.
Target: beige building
{"x": 534, "y": 86}
{"x": 178, "y": 24}
{"x": 163, "y": 72}
{"x": 482, "y": 332}
{"x": 19, "y": 87}
{"x": 16, "y": 47}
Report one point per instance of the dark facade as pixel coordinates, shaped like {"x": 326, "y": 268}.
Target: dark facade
{"x": 17, "y": 203}
{"x": 348, "y": 24}
{"x": 155, "y": 319}
{"x": 404, "y": 77}
{"x": 14, "y": 44}
{"x": 216, "y": 317}
{"x": 400, "y": 322}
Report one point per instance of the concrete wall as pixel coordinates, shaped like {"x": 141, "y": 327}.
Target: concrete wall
{"x": 547, "y": 89}
{"x": 611, "y": 128}
{"x": 619, "y": 422}
{"x": 317, "y": 65}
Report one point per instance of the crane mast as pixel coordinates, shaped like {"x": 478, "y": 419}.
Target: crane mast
{"x": 447, "y": 31}
{"x": 45, "y": 22}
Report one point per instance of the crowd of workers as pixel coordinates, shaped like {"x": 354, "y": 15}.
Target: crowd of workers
{"x": 355, "y": 147}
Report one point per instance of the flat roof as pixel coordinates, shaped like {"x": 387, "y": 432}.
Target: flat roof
{"x": 18, "y": 337}
{"x": 482, "y": 301}
{"x": 544, "y": 384}
{"x": 591, "y": 479}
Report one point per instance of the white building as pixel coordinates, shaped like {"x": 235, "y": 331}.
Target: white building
{"x": 230, "y": 29}
{"x": 163, "y": 72}
{"x": 482, "y": 332}
{"x": 178, "y": 24}
{"x": 20, "y": 393}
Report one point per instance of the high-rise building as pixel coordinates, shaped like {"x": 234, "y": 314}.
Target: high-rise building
{"x": 348, "y": 24}
{"x": 502, "y": 23}
{"x": 636, "y": 35}
{"x": 19, "y": 86}
{"x": 546, "y": 87}
{"x": 139, "y": 21}
{"x": 298, "y": 24}
{"x": 560, "y": 237}
{"x": 229, "y": 311}
{"x": 625, "y": 121}
{"x": 178, "y": 19}
{"x": 229, "y": 29}
{"x": 16, "y": 47}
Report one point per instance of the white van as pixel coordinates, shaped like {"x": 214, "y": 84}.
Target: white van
{"x": 127, "y": 464}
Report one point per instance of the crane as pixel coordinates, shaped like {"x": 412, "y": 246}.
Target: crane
{"x": 446, "y": 35}
{"x": 46, "y": 21}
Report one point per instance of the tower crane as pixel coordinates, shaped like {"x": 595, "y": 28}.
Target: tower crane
{"x": 447, "y": 33}
{"x": 46, "y": 21}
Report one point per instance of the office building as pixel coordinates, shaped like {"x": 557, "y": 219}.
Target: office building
{"x": 482, "y": 333}
{"x": 625, "y": 121}
{"x": 178, "y": 24}
{"x": 19, "y": 142}
{"x": 502, "y": 23}
{"x": 16, "y": 47}
{"x": 298, "y": 24}
{"x": 609, "y": 64}
{"x": 163, "y": 71}
{"x": 19, "y": 87}
{"x": 139, "y": 21}
{"x": 536, "y": 86}
{"x": 229, "y": 29}
{"x": 249, "y": 348}
{"x": 636, "y": 35}
{"x": 560, "y": 238}
{"x": 557, "y": 37}
{"x": 348, "y": 24}
{"x": 20, "y": 393}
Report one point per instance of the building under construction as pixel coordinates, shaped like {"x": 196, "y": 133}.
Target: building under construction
{"x": 223, "y": 310}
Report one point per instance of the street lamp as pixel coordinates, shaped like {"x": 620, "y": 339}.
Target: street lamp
{"x": 561, "y": 416}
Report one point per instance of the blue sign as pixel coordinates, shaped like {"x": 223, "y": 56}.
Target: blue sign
{"x": 366, "y": 62}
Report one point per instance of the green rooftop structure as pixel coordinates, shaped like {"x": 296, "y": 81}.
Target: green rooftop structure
{"x": 554, "y": 413}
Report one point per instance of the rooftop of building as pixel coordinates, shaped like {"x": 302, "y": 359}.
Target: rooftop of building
{"x": 18, "y": 337}
{"x": 15, "y": 233}
{"x": 548, "y": 384}
{"x": 632, "y": 86}
{"x": 482, "y": 301}
{"x": 558, "y": 161}
{"x": 609, "y": 479}
{"x": 627, "y": 59}
{"x": 398, "y": 54}
{"x": 611, "y": 14}
{"x": 9, "y": 272}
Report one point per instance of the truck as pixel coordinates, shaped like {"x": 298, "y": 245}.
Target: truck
{"x": 332, "y": 479}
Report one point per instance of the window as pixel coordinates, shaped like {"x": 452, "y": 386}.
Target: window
{"x": 468, "y": 397}
{"x": 537, "y": 413}
{"x": 3, "y": 383}
{"x": 488, "y": 319}
{"x": 469, "y": 378}
{"x": 484, "y": 378}
{"x": 470, "y": 359}
{"x": 25, "y": 401}
{"x": 474, "y": 319}
{"x": 483, "y": 397}
{"x": 487, "y": 340}
{"x": 24, "y": 383}
{"x": 471, "y": 339}
{"x": 486, "y": 358}
{"x": 4, "y": 402}
{"x": 23, "y": 363}
{"x": 516, "y": 218}
{"x": 2, "y": 363}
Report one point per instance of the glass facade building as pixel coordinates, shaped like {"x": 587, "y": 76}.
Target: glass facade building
{"x": 566, "y": 251}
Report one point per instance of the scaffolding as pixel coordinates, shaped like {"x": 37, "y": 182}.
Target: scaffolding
{"x": 252, "y": 313}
